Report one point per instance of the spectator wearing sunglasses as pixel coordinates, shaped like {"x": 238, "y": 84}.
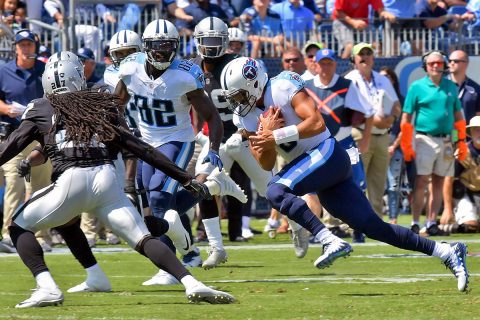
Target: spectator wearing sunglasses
{"x": 292, "y": 60}
{"x": 87, "y": 57}
{"x": 310, "y": 50}
{"x": 469, "y": 95}
{"x": 433, "y": 109}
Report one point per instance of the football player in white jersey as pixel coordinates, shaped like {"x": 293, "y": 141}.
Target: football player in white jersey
{"x": 163, "y": 88}
{"x": 317, "y": 163}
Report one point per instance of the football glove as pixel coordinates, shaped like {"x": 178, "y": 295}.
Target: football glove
{"x": 198, "y": 189}
{"x": 214, "y": 159}
{"x": 132, "y": 193}
{"x": 24, "y": 169}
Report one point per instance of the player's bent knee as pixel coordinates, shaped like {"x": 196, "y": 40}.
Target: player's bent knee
{"x": 15, "y": 232}
{"x": 141, "y": 244}
{"x": 275, "y": 194}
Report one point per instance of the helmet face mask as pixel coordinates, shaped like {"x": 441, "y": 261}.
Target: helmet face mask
{"x": 161, "y": 42}
{"x": 122, "y": 44}
{"x": 211, "y": 37}
{"x": 240, "y": 102}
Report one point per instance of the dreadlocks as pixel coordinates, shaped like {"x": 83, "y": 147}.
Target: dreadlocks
{"x": 86, "y": 114}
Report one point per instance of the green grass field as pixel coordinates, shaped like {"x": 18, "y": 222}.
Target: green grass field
{"x": 269, "y": 282}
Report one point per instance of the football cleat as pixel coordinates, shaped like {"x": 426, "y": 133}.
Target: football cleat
{"x": 202, "y": 293}
{"x": 227, "y": 186}
{"x": 192, "y": 259}
{"x": 333, "y": 250}
{"x": 247, "y": 233}
{"x": 7, "y": 247}
{"x": 215, "y": 257}
{"x": 42, "y": 297}
{"x": 300, "y": 242}
{"x": 177, "y": 233}
{"x": 457, "y": 263}
{"x": 162, "y": 278}
{"x": 94, "y": 283}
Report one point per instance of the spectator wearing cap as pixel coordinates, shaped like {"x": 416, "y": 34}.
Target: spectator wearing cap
{"x": 310, "y": 50}
{"x": 297, "y": 20}
{"x": 44, "y": 53}
{"x": 350, "y": 15}
{"x": 20, "y": 83}
{"x": 433, "y": 109}
{"x": 338, "y": 99}
{"x": 380, "y": 94}
{"x": 88, "y": 59}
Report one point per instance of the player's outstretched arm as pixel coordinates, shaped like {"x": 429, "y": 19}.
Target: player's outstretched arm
{"x": 206, "y": 110}
{"x": 152, "y": 156}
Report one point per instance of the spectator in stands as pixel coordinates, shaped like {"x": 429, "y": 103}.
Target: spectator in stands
{"x": 8, "y": 11}
{"x": 20, "y": 83}
{"x": 433, "y": 102}
{"x": 469, "y": 95}
{"x": 292, "y": 60}
{"x": 380, "y": 94}
{"x": 176, "y": 11}
{"x": 128, "y": 17}
{"x": 404, "y": 12}
{"x": 87, "y": 57}
{"x": 473, "y": 11}
{"x": 310, "y": 50}
{"x": 297, "y": 20}
{"x": 20, "y": 18}
{"x": 44, "y": 53}
{"x": 435, "y": 17}
{"x": 264, "y": 28}
{"x": 350, "y": 15}
{"x": 200, "y": 9}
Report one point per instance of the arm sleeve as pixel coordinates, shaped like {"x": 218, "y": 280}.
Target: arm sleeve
{"x": 18, "y": 140}
{"x": 151, "y": 156}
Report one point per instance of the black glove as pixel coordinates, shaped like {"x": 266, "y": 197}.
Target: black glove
{"x": 198, "y": 189}
{"x": 132, "y": 194}
{"x": 23, "y": 169}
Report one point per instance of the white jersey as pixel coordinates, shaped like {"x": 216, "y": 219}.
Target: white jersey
{"x": 163, "y": 107}
{"x": 279, "y": 92}
{"x": 111, "y": 77}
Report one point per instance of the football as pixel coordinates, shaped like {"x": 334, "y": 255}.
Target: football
{"x": 269, "y": 113}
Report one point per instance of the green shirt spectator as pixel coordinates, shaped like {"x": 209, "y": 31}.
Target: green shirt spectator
{"x": 433, "y": 106}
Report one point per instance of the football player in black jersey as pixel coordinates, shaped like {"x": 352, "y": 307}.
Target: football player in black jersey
{"x": 81, "y": 131}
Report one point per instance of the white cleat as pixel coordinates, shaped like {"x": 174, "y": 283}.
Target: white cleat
{"x": 177, "y": 233}
{"x": 333, "y": 250}
{"x": 227, "y": 186}
{"x": 99, "y": 283}
{"x": 247, "y": 233}
{"x": 202, "y": 293}
{"x": 457, "y": 263}
{"x": 42, "y": 297}
{"x": 162, "y": 278}
{"x": 215, "y": 257}
{"x": 300, "y": 242}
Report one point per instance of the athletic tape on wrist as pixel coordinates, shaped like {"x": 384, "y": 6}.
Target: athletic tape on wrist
{"x": 287, "y": 134}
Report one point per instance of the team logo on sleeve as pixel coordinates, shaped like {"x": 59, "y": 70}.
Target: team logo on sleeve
{"x": 250, "y": 69}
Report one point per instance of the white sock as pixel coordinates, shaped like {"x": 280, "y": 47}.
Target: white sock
{"x": 429, "y": 223}
{"x": 213, "y": 187}
{"x": 294, "y": 226}
{"x": 94, "y": 271}
{"x": 415, "y": 222}
{"x": 245, "y": 222}
{"x": 214, "y": 234}
{"x": 324, "y": 236}
{"x": 190, "y": 282}
{"x": 45, "y": 280}
{"x": 442, "y": 250}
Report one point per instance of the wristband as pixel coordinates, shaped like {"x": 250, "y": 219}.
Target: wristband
{"x": 287, "y": 134}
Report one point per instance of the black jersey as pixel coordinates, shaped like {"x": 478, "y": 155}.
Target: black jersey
{"x": 37, "y": 123}
{"x": 214, "y": 90}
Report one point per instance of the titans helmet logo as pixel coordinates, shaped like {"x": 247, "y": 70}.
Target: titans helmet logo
{"x": 250, "y": 69}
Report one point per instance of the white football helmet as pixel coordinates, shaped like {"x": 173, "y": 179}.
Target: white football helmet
{"x": 243, "y": 81}
{"x": 65, "y": 56}
{"x": 161, "y": 42}
{"x": 122, "y": 44}
{"x": 211, "y": 37}
{"x": 63, "y": 76}
{"x": 236, "y": 34}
